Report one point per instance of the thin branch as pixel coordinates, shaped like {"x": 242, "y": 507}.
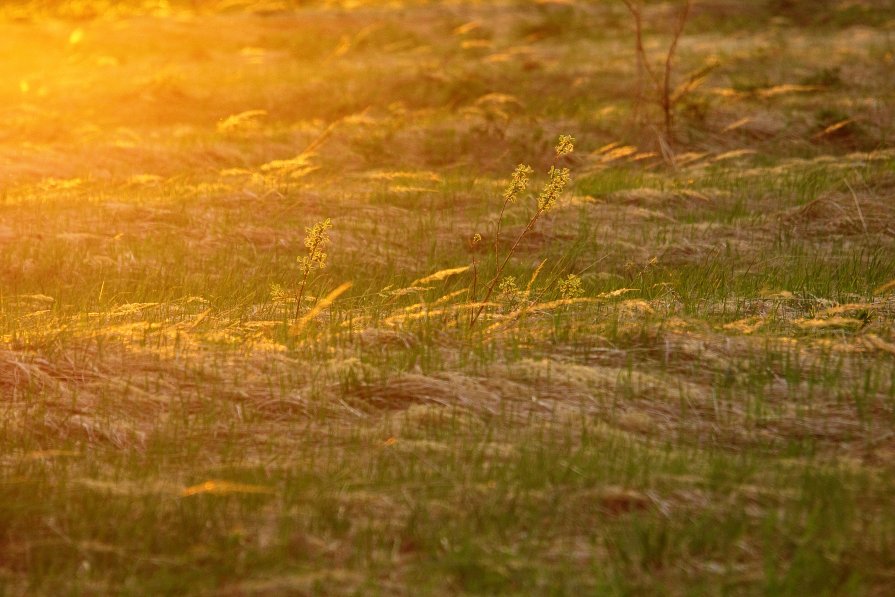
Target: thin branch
{"x": 669, "y": 59}
{"x": 643, "y": 65}
{"x": 666, "y": 98}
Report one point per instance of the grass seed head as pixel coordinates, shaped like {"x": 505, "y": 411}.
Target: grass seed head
{"x": 565, "y": 145}
{"x": 557, "y": 180}
{"x": 510, "y": 293}
{"x": 518, "y": 183}
{"x": 316, "y": 240}
{"x": 278, "y": 294}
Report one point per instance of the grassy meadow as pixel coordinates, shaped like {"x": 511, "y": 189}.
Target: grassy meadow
{"x": 681, "y": 382}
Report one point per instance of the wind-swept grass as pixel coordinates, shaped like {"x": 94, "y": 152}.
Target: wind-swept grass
{"x": 680, "y": 380}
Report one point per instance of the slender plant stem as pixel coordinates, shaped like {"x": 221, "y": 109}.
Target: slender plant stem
{"x": 497, "y": 232}
{"x": 301, "y": 294}
{"x": 475, "y": 278}
{"x": 501, "y": 267}
{"x": 307, "y": 271}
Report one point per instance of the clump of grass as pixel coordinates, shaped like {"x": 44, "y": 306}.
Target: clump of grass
{"x": 557, "y": 180}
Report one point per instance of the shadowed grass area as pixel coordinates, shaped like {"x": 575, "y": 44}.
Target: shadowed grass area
{"x": 705, "y": 406}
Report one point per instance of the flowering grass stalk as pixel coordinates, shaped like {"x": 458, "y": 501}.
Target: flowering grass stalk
{"x": 316, "y": 240}
{"x": 557, "y": 180}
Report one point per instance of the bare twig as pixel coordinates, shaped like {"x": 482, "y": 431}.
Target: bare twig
{"x": 643, "y": 65}
{"x": 665, "y": 95}
{"x": 667, "y": 101}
